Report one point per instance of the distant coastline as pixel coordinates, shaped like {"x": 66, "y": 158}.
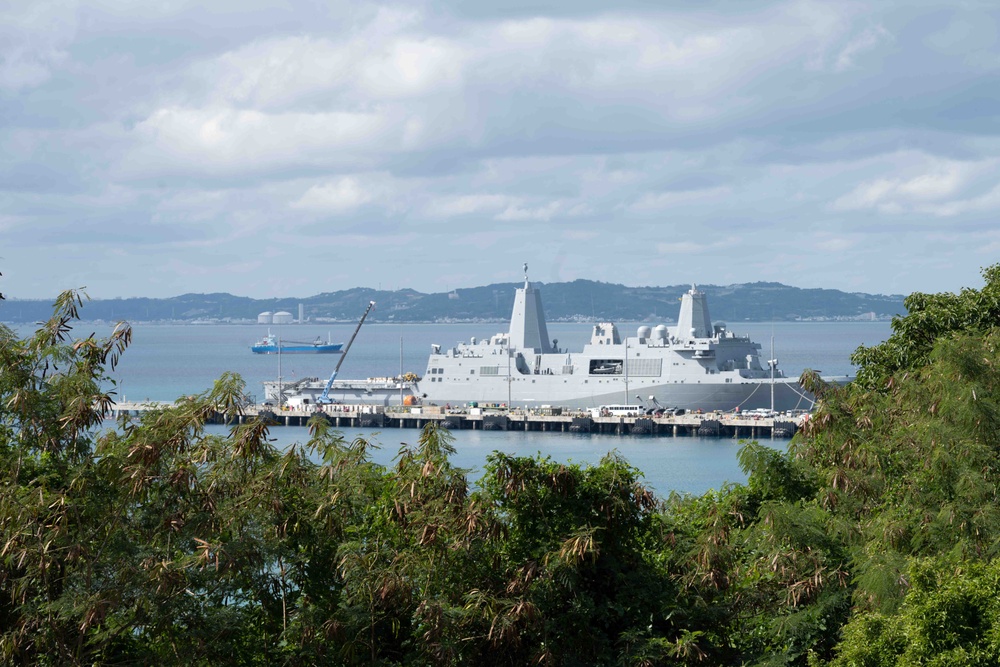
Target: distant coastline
{"x": 577, "y": 301}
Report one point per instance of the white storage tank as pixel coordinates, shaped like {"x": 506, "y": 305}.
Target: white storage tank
{"x": 264, "y": 318}
{"x": 282, "y": 317}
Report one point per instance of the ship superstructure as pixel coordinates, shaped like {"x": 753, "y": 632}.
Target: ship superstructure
{"x": 692, "y": 365}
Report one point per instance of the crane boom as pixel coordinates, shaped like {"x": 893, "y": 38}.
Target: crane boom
{"x": 324, "y": 398}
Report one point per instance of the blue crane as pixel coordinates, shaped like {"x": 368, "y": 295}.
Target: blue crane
{"x": 324, "y": 398}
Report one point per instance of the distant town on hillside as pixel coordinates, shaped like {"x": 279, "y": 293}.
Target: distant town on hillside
{"x": 579, "y": 300}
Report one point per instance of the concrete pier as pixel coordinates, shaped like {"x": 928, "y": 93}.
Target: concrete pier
{"x": 722, "y": 425}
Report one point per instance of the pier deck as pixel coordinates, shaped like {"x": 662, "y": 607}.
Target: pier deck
{"x": 728, "y": 425}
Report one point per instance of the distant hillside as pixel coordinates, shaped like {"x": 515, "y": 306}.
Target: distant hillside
{"x": 584, "y": 300}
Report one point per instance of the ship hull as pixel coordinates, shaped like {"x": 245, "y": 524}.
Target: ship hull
{"x": 296, "y": 349}
{"x": 750, "y": 395}
{"x": 384, "y": 392}
{"x": 782, "y": 395}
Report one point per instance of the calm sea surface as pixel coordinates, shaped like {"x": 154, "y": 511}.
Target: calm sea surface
{"x": 169, "y": 361}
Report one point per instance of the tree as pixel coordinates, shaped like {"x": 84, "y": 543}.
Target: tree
{"x": 161, "y": 541}
{"x": 157, "y": 542}
{"x": 950, "y": 617}
{"x": 872, "y": 540}
{"x": 579, "y": 581}
{"x": 929, "y": 318}
{"x": 894, "y": 469}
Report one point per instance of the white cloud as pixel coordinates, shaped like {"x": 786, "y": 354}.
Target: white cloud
{"x": 867, "y": 195}
{"x": 944, "y": 188}
{"x": 412, "y": 67}
{"x": 344, "y": 194}
{"x": 686, "y": 247}
{"x": 580, "y": 235}
{"x": 834, "y": 244}
{"x": 505, "y": 208}
{"x": 450, "y": 207}
{"x": 989, "y": 244}
{"x": 277, "y": 72}
{"x": 131, "y": 10}
{"x": 10, "y": 222}
{"x": 868, "y": 40}
{"x": 988, "y": 201}
{"x": 229, "y": 140}
{"x": 377, "y": 64}
{"x": 658, "y": 201}
{"x": 400, "y": 82}
{"x": 34, "y": 37}
{"x": 679, "y": 64}
{"x": 971, "y": 35}
{"x": 517, "y": 213}
{"x": 759, "y": 125}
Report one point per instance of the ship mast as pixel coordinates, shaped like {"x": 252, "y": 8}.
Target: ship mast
{"x": 772, "y": 362}
{"x": 508, "y": 370}
{"x": 626, "y": 370}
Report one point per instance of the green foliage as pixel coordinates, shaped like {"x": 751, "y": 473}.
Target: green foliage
{"x": 160, "y": 542}
{"x": 575, "y": 567}
{"x": 910, "y": 471}
{"x": 872, "y": 541}
{"x": 153, "y": 543}
{"x": 774, "y": 476}
{"x": 916, "y": 465}
{"x": 823, "y": 537}
{"x": 949, "y": 617}
{"x": 930, "y": 318}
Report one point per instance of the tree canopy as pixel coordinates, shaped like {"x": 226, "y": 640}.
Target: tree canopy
{"x": 158, "y": 540}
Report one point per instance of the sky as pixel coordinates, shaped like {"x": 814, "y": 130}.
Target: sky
{"x": 284, "y": 149}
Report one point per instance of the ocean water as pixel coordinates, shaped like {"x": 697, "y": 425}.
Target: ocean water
{"x": 682, "y": 464}
{"x": 167, "y": 361}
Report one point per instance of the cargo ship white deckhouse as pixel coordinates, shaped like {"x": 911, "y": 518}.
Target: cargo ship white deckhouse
{"x": 693, "y": 365}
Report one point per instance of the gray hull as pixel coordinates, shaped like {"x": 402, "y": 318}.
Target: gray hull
{"x": 752, "y": 394}
{"x": 384, "y": 392}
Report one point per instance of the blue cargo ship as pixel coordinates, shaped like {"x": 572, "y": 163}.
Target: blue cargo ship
{"x": 270, "y": 344}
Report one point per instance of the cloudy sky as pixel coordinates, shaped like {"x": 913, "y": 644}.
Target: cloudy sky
{"x": 289, "y": 148}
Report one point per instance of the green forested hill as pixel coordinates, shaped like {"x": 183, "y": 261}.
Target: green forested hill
{"x": 581, "y": 300}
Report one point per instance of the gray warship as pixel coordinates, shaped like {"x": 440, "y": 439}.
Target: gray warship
{"x": 694, "y": 365}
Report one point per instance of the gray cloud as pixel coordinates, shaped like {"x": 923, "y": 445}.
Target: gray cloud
{"x": 164, "y": 148}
